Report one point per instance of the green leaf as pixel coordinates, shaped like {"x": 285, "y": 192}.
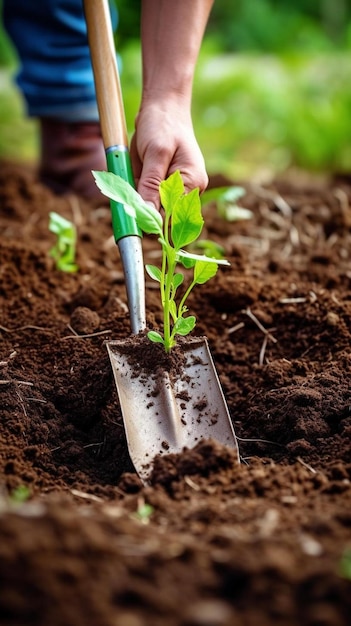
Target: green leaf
{"x": 177, "y": 280}
{"x": 232, "y": 194}
{"x": 210, "y": 248}
{"x": 183, "y": 255}
{"x": 185, "y": 261}
{"x": 173, "y": 310}
{"x": 203, "y": 271}
{"x": 69, "y": 267}
{"x": 20, "y": 494}
{"x": 154, "y": 272}
{"x": 187, "y": 221}
{"x": 345, "y": 564}
{"x": 155, "y": 337}
{"x": 65, "y": 248}
{"x": 64, "y": 229}
{"x": 119, "y": 190}
{"x": 184, "y": 325}
{"x": 171, "y": 190}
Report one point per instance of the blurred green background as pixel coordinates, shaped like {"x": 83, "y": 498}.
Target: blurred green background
{"x": 272, "y": 89}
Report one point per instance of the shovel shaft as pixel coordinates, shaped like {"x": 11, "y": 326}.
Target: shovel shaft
{"x": 118, "y": 162}
{"x": 110, "y": 105}
{"x": 115, "y": 139}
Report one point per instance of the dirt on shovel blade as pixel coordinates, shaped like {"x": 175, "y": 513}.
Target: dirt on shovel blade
{"x": 209, "y": 541}
{"x": 168, "y": 402}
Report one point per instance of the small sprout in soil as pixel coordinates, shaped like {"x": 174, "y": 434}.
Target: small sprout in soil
{"x": 20, "y": 494}
{"x": 64, "y": 250}
{"x": 143, "y": 512}
{"x": 226, "y": 200}
{"x": 345, "y": 564}
{"x": 181, "y": 226}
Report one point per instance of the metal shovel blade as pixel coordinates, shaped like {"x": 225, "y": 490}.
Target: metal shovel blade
{"x": 164, "y": 414}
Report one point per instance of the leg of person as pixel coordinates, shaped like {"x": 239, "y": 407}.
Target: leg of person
{"x": 57, "y": 82}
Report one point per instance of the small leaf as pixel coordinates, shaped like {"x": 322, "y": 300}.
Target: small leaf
{"x": 203, "y": 271}
{"x": 177, "y": 280}
{"x": 70, "y": 268}
{"x": 154, "y": 272}
{"x": 61, "y": 227}
{"x": 171, "y": 190}
{"x": 119, "y": 190}
{"x": 185, "y": 261}
{"x": 65, "y": 248}
{"x": 217, "y": 193}
{"x": 173, "y": 310}
{"x": 183, "y": 254}
{"x": 184, "y": 325}
{"x": 155, "y": 337}
{"x": 187, "y": 221}
{"x": 20, "y": 494}
{"x": 210, "y": 248}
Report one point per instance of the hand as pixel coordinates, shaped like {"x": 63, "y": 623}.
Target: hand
{"x": 164, "y": 142}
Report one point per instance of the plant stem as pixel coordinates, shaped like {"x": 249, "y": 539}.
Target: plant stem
{"x": 168, "y": 342}
{"x": 181, "y": 304}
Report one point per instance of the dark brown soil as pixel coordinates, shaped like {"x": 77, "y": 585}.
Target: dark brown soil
{"x": 254, "y": 544}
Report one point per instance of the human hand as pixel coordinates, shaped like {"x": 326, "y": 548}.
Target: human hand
{"x": 164, "y": 142}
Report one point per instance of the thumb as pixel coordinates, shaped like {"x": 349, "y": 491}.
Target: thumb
{"x": 154, "y": 170}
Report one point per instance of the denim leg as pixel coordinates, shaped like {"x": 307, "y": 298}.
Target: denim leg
{"x": 55, "y": 73}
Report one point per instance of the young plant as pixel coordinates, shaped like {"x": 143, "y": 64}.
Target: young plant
{"x": 64, "y": 251}
{"x": 182, "y": 225}
{"x": 226, "y": 200}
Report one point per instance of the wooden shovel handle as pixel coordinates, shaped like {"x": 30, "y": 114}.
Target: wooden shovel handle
{"x": 107, "y": 81}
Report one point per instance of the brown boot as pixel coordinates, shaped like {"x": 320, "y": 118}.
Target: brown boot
{"x": 69, "y": 151}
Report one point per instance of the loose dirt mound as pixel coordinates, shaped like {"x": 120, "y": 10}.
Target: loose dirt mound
{"x": 208, "y": 542}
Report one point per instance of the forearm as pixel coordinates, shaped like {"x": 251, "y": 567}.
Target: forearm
{"x": 171, "y": 33}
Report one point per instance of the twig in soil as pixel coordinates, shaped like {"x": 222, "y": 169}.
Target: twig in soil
{"x": 27, "y": 326}
{"x": 341, "y": 195}
{"x": 274, "y": 443}
{"x": 86, "y": 496}
{"x": 72, "y": 330}
{"x": 75, "y": 336}
{"x": 300, "y": 460}
{"x": 233, "y": 329}
{"x": 94, "y": 445}
{"x": 21, "y": 403}
{"x": 278, "y": 200}
{"x": 17, "y": 382}
{"x": 265, "y": 331}
{"x": 292, "y": 300}
{"x": 191, "y": 483}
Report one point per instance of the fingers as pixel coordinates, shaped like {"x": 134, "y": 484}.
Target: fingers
{"x": 159, "y": 162}
{"x": 164, "y": 142}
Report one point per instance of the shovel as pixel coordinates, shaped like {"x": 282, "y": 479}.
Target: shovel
{"x": 186, "y": 408}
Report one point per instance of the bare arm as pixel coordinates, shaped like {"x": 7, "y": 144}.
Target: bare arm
{"x": 172, "y": 32}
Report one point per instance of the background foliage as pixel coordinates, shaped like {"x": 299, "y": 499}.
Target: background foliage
{"x": 272, "y": 88}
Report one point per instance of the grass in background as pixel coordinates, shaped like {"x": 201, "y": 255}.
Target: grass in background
{"x": 18, "y": 134}
{"x": 263, "y": 112}
{"x": 252, "y": 112}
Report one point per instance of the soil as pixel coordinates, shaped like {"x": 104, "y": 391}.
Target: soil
{"x": 208, "y": 541}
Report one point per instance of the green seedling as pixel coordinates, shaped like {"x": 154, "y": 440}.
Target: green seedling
{"x": 144, "y": 512}
{"x": 345, "y": 564}
{"x": 20, "y": 494}
{"x": 64, "y": 251}
{"x": 226, "y": 200}
{"x": 181, "y": 226}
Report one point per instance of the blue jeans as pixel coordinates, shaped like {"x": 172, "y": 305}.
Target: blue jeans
{"x": 55, "y": 75}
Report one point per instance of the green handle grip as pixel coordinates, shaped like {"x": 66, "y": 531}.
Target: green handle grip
{"x": 118, "y": 162}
